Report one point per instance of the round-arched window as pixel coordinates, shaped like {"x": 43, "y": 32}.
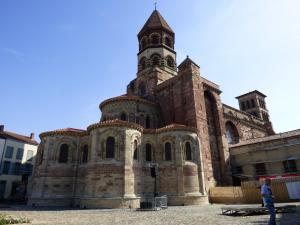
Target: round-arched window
{"x": 188, "y": 151}
{"x": 232, "y": 134}
{"x": 85, "y": 154}
{"x": 63, "y": 153}
{"x": 143, "y": 63}
{"x": 123, "y": 116}
{"x": 154, "y": 39}
{"x": 135, "y": 150}
{"x": 110, "y": 148}
{"x": 168, "y": 151}
{"x": 170, "y": 61}
{"x": 168, "y": 42}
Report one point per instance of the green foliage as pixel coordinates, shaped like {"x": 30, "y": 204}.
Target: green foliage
{"x": 4, "y": 219}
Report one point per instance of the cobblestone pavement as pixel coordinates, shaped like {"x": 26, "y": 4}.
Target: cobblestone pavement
{"x": 184, "y": 215}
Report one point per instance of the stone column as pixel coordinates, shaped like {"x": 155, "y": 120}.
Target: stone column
{"x": 128, "y": 163}
{"x": 179, "y": 166}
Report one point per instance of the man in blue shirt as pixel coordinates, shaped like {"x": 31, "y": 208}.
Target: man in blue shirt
{"x": 268, "y": 199}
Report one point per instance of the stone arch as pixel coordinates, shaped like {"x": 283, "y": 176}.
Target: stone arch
{"x": 168, "y": 151}
{"x": 188, "y": 151}
{"x": 155, "y": 38}
{"x": 214, "y": 131}
{"x": 84, "y": 153}
{"x": 143, "y": 42}
{"x": 168, "y": 41}
{"x": 170, "y": 61}
{"x": 143, "y": 63}
{"x": 110, "y": 148}
{"x": 63, "y": 153}
{"x": 119, "y": 142}
{"x": 168, "y": 139}
{"x": 155, "y": 59}
{"x": 72, "y": 150}
{"x": 232, "y": 133}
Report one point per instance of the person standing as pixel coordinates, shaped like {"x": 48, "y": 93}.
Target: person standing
{"x": 268, "y": 200}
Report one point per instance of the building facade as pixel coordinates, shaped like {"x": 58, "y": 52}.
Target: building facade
{"x": 170, "y": 117}
{"x": 17, "y": 154}
{"x": 273, "y": 156}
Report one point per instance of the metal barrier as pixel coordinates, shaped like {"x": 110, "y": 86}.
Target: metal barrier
{"x": 154, "y": 203}
{"x": 161, "y": 202}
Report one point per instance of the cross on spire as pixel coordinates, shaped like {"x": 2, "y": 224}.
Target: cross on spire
{"x": 155, "y": 3}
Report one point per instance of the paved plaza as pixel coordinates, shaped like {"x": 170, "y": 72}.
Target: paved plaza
{"x": 185, "y": 215}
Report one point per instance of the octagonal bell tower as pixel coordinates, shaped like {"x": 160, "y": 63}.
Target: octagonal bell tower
{"x": 156, "y": 45}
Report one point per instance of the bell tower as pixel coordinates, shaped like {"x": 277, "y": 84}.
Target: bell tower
{"x": 156, "y": 45}
{"x": 156, "y": 57}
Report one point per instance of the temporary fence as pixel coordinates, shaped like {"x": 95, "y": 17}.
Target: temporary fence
{"x": 284, "y": 189}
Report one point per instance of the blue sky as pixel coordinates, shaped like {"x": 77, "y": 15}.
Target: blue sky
{"x": 60, "y": 58}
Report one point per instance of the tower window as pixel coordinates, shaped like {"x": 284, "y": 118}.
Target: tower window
{"x": 143, "y": 42}
{"x": 110, "y": 148}
{"x": 155, "y": 61}
{"x": 143, "y": 63}
{"x": 188, "y": 151}
{"x": 170, "y": 61}
{"x": 154, "y": 39}
{"x": 168, "y": 151}
{"x": 63, "y": 153}
{"x": 168, "y": 42}
{"x": 248, "y": 104}
{"x": 148, "y": 153}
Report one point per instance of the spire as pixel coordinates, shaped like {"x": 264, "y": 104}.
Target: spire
{"x": 156, "y": 21}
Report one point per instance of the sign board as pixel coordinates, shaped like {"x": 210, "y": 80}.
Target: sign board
{"x": 293, "y": 189}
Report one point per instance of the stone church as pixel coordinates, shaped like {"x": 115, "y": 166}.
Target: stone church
{"x": 171, "y": 118}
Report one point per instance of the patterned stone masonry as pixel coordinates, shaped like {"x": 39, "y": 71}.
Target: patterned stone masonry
{"x": 172, "y": 118}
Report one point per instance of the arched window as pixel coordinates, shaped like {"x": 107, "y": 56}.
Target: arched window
{"x": 232, "y": 134}
{"x": 154, "y": 39}
{"x": 148, "y": 153}
{"x": 168, "y": 42}
{"x": 143, "y": 63}
{"x": 147, "y": 122}
{"x": 155, "y": 60}
{"x": 143, "y": 42}
{"x": 170, "y": 61}
{"x": 110, "y": 148}
{"x": 168, "y": 151}
{"x": 63, "y": 153}
{"x": 124, "y": 116}
{"x": 142, "y": 89}
{"x": 188, "y": 151}
{"x": 135, "y": 150}
{"x": 85, "y": 154}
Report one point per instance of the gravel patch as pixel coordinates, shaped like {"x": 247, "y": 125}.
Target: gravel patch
{"x": 181, "y": 215}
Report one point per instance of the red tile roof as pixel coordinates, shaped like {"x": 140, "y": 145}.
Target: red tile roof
{"x": 125, "y": 97}
{"x": 155, "y": 21}
{"x": 65, "y": 131}
{"x": 18, "y": 137}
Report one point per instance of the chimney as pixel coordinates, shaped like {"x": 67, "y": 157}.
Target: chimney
{"x": 32, "y": 136}
{"x": 1, "y": 128}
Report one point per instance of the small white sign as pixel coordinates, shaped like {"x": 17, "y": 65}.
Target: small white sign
{"x": 293, "y": 189}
